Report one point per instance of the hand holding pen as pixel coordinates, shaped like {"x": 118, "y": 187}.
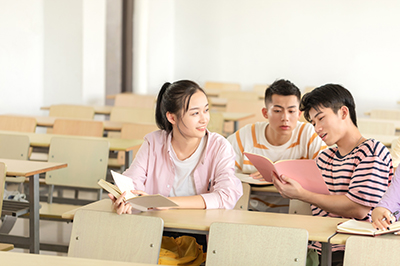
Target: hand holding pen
{"x": 382, "y": 218}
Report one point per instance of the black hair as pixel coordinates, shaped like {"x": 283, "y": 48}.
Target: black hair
{"x": 332, "y": 96}
{"x": 174, "y": 98}
{"x": 281, "y": 87}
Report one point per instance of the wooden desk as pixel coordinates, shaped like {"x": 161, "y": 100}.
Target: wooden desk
{"x": 32, "y": 170}
{"x": 48, "y": 121}
{"x": 236, "y": 117}
{"x": 98, "y": 109}
{"x": 6, "y": 247}
{"x": 199, "y": 221}
{"x": 116, "y": 144}
{"x": 341, "y": 239}
{"x": 18, "y": 259}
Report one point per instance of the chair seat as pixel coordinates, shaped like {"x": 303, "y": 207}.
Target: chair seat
{"x": 15, "y": 208}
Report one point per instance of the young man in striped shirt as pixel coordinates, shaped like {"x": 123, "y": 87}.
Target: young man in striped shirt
{"x": 357, "y": 171}
{"x": 281, "y": 137}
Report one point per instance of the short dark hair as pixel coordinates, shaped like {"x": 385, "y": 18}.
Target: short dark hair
{"x": 281, "y": 87}
{"x": 332, "y": 96}
{"x": 174, "y": 98}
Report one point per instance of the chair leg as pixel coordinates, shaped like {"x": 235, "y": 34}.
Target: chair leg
{"x": 50, "y": 195}
{"x": 7, "y": 224}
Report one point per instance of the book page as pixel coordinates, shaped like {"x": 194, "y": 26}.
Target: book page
{"x": 262, "y": 164}
{"x": 305, "y": 172}
{"x": 245, "y": 178}
{"x": 364, "y": 228}
{"x": 124, "y": 183}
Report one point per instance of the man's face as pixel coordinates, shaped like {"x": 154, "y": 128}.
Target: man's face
{"x": 282, "y": 113}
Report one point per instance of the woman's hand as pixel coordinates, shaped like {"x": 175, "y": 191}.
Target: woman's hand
{"x": 382, "y": 218}
{"x": 120, "y": 205}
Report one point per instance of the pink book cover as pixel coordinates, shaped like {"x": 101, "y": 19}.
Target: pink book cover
{"x": 305, "y": 171}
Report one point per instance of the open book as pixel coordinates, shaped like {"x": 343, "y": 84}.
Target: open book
{"x": 305, "y": 172}
{"x": 245, "y": 178}
{"x": 142, "y": 203}
{"x": 364, "y": 228}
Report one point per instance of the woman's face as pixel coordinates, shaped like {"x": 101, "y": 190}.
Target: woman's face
{"x": 193, "y": 123}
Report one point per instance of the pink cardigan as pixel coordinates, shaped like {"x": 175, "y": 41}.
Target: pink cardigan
{"x": 153, "y": 171}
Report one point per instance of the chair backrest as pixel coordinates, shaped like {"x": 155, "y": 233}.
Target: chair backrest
{"x": 86, "y": 158}
{"x": 216, "y": 123}
{"x": 299, "y": 207}
{"x": 72, "y": 111}
{"x": 395, "y": 152}
{"x": 368, "y": 126}
{"x": 243, "y": 106}
{"x": 239, "y": 95}
{"x": 221, "y": 86}
{"x": 137, "y": 130}
{"x": 3, "y": 169}
{"x": 89, "y": 128}
{"x": 391, "y": 114}
{"x": 245, "y": 244}
{"x": 109, "y": 236}
{"x": 132, "y": 115}
{"x": 243, "y": 202}
{"x": 371, "y": 251}
{"x": 260, "y": 89}
{"x": 14, "y": 147}
{"x": 135, "y": 100}
{"x": 17, "y": 123}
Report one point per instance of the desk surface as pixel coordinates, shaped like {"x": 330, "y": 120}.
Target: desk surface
{"x": 319, "y": 228}
{"x": 29, "y": 168}
{"x": 48, "y": 121}
{"x": 43, "y": 140}
{"x": 342, "y": 238}
{"x": 17, "y": 259}
{"x": 98, "y": 109}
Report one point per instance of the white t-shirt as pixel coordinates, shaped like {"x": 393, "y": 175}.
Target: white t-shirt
{"x": 184, "y": 182}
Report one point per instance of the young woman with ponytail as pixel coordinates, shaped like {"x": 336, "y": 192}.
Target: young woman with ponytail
{"x": 183, "y": 160}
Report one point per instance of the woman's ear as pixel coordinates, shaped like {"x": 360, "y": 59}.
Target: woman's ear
{"x": 171, "y": 118}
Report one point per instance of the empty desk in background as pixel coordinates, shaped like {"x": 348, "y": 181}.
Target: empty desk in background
{"x": 116, "y": 144}
{"x": 98, "y": 109}
{"x": 199, "y": 221}
{"x": 32, "y": 170}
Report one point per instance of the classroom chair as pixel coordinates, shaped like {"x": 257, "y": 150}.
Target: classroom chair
{"x": 243, "y": 202}
{"x": 239, "y": 95}
{"x": 245, "y": 106}
{"x": 260, "y": 89}
{"x": 17, "y": 123}
{"x": 109, "y": 236}
{"x": 212, "y": 85}
{"x": 368, "y": 126}
{"x": 299, "y": 207}
{"x": 216, "y": 123}
{"x": 395, "y": 152}
{"x": 72, "y": 111}
{"x": 372, "y": 251}
{"x": 131, "y": 131}
{"x": 132, "y": 115}
{"x": 135, "y": 100}
{"x": 89, "y": 128}
{"x": 87, "y": 163}
{"x": 245, "y": 244}
{"x": 391, "y": 114}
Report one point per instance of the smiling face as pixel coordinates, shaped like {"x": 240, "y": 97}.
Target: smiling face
{"x": 193, "y": 123}
{"x": 282, "y": 113}
{"x": 327, "y": 124}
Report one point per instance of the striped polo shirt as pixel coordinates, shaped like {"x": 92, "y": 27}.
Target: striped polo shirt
{"x": 363, "y": 175}
{"x": 303, "y": 144}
